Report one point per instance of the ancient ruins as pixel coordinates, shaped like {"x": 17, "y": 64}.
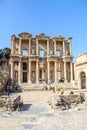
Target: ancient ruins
{"x": 41, "y": 59}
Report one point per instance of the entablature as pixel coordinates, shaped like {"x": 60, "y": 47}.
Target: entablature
{"x": 15, "y": 58}
{"x": 67, "y": 58}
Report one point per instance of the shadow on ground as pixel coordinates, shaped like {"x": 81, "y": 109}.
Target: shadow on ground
{"x": 25, "y": 107}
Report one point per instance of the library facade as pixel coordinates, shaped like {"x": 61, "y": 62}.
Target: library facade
{"x": 41, "y": 59}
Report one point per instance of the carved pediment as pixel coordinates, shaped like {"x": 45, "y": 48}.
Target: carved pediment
{"x": 42, "y": 36}
{"x": 59, "y": 37}
{"x": 25, "y": 35}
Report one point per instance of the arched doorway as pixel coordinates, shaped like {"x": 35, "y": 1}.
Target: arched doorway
{"x": 83, "y": 80}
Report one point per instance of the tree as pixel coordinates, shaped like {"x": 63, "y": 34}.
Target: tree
{"x": 1, "y": 53}
{"x": 7, "y": 52}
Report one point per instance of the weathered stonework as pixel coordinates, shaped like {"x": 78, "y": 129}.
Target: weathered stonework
{"x": 81, "y": 71}
{"x": 40, "y": 59}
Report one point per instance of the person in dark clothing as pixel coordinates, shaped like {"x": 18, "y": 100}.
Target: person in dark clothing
{"x": 8, "y": 90}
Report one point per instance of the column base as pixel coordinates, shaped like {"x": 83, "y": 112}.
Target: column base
{"x": 55, "y": 82}
{"x": 71, "y": 81}
{"x": 65, "y": 81}
{"x": 37, "y": 82}
{"x": 48, "y": 81}
{"x": 29, "y": 81}
{"x": 19, "y": 82}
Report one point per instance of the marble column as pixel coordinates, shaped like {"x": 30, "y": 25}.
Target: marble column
{"x": 54, "y": 47}
{"x": 43, "y": 77}
{"x": 47, "y": 46}
{"x": 55, "y": 70}
{"x": 12, "y": 46}
{"x": 63, "y": 48}
{"x": 12, "y": 70}
{"x": 29, "y": 72}
{"x": 37, "y": 47}
{"x": 59, "y": 73}
{"x": 19, "y": 73}
{"x": 48, "y": 71}
{"x": 19, "y": 46}
{"x": 29, "y": 46}
{"x": 70, "y": 46}
{"x": 37, "y": 72}
{"x": 65, "y": 76}
{"x": 71, "y": 72}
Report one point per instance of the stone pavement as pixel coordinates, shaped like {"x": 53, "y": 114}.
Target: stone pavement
{"x": 39, "y": 116}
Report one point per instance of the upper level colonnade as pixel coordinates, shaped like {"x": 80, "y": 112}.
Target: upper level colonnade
{"x": 26, "y": 45}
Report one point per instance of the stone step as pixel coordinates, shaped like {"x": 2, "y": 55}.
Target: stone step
{"x": 45, "y": 86}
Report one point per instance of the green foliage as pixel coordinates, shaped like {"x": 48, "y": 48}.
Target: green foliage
{"x": 7, "y": 52}
{"x": 1, "y": 53}
{"x": 2, "y": 104}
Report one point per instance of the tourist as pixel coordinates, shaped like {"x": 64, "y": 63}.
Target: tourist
{"x": 8, "y": 89}
{"x": 62, "y": 90}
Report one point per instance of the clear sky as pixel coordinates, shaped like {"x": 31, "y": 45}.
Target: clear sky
{"x": 52, "y": 17}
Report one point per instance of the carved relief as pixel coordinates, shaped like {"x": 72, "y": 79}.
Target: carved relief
{"x": 42, "y": 35}
{"x": 25, "y": 35}
{"x": 24, "y": 46}
{"x": 24, "y": 58}
{"x": 59, "y": 37}
{"x": 16, "y": 58}
{"x": 16, "y": 66}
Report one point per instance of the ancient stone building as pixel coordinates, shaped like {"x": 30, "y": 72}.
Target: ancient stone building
{"x": 81, "y": 71}
{"x": 40, "y": 59}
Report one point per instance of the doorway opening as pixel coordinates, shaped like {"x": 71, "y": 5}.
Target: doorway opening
{"x": 24, "y": 77}
{"x": 83, "y": 80}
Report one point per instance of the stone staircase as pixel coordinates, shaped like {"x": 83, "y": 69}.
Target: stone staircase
{"x": 44, "y": 86}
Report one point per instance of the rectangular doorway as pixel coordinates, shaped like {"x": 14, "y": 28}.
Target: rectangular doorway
{"x": 24, "y": 77}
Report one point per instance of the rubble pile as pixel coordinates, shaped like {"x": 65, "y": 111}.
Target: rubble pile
{"x": 67, "y": 101}
{"x": 11, "y": 102}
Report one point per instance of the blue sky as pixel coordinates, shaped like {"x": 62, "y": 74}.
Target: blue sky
{"x": 52, "y": 17}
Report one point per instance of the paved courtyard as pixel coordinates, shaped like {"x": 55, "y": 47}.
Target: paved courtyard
{"x": 36, "y": 114}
